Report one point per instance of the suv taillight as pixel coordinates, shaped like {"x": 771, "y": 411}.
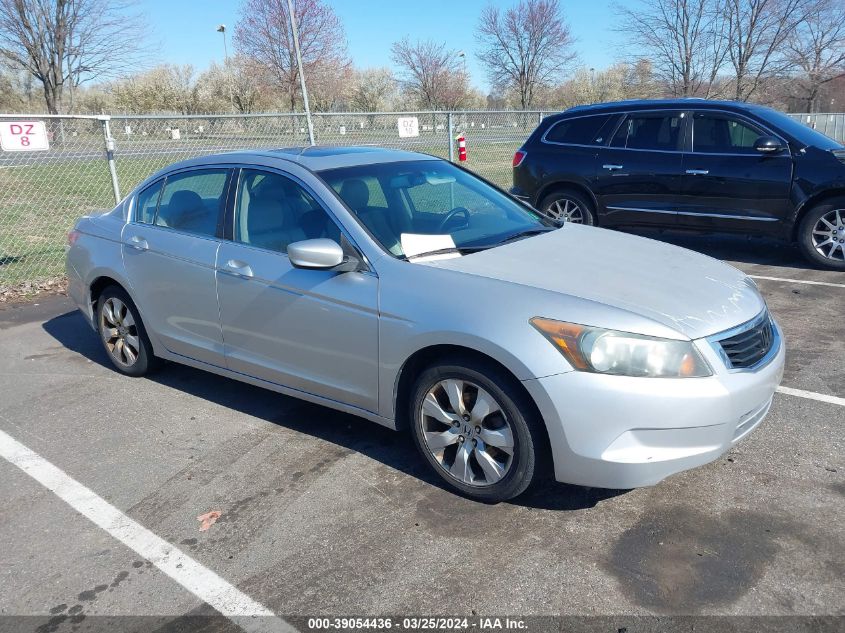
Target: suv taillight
{"x": 72, "y": 236}
{"x": 518, "y": 157}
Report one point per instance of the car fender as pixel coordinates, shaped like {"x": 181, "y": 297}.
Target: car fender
{"x": 808, "y": 197}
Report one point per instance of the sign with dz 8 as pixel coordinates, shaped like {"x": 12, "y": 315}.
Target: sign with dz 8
{"x": 23, "y": 136}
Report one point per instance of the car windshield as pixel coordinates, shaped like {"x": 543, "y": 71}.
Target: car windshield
{"x": 800, "y": 132}
{"x": 415, "y": 207}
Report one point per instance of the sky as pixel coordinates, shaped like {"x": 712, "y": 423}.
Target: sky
{"x": 184, "y": 31}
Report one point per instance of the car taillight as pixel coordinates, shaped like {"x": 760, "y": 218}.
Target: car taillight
{"x": 72, "y": 236}
{"x": 518, "y": 157}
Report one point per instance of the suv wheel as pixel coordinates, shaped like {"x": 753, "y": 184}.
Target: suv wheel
{"x": 476, "y": 429}
{"x": 123, "y": 335}
{"x": 568, "y": 206}
{"x": 821, "y": 234}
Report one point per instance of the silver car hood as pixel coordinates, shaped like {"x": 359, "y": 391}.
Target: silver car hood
{"x": 691, "y": 293}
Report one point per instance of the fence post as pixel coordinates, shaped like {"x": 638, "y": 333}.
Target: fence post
{"x": 107, "y": 137}
{"x": 449, "y": 133}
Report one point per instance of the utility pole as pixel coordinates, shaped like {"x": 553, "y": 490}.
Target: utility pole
{"x": 301, "y": 74}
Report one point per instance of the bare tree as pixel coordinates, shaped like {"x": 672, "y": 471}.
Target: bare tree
{"x": 11, "y": 98}
{"x": 240, "y": 83}
{"x": 263, "y": 33}
{"x": 63, "y": 43}
{"x": 756, "y": 32}
{"x": 165, "y": 88}
{"x": 374, "y": 89}
{"x": 527, "y": 47}
{"x": 683, "y": 39}
{"x": 431, "y": 74}
{"x": 817, "y": 49}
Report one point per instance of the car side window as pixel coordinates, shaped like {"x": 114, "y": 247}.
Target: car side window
{"x": 649, "y": 131}
{"x": 720, "y": 134}
{"x": 272, "y": 211}
{"x": 579, "y": 131}
{"x": 147, "y": 203}
{"x": 191, "y": 201}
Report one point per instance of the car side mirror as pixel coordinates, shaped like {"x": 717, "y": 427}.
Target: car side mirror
{"x": 321, "y": 254}
{"x": 768, "y": 145}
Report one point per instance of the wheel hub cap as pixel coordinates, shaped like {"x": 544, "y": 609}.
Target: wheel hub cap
{"x": 829, "y": 235}
{"x": 119, "y": 332}
{"x": 466, "y": 432}
{"x": 566, "y": 210}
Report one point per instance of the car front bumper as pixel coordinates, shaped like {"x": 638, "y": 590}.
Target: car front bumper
{"x": 622, "y": 432}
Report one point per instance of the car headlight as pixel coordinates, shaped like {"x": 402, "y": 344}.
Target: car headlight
{"x": 621, "y": 353}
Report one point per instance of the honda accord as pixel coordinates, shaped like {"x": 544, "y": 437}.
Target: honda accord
{"x": 406, "y": 290}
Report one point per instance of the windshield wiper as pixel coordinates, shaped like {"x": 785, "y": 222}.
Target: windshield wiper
{"x": 527, "y": 233}
{"x": 446, "y": 251}
{"x": 481, "y": 247}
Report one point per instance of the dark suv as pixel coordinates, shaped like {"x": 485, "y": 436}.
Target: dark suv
{"x": 690, "y": 164}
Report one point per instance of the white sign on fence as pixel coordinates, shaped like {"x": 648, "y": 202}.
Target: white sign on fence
{"x": 23, "y": 136}
{"x": 408, "y": 126}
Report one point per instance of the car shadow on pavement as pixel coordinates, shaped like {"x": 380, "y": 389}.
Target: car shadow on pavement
{"x": 395, "y": 450}
{"x": 733, "y": 248}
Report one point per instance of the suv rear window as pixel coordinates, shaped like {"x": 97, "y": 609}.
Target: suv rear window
{"x": 584, "y": 130}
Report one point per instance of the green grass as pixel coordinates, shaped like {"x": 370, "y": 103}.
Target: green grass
{"x": 40, "y": 202}
{"x": 38, "y": 206}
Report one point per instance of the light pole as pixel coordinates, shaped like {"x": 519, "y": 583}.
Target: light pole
{"x": 301, "y": 74}
{"x": 222, "y": 29}
{"x": 463, "y": 56}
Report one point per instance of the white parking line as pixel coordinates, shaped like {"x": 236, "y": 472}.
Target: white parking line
{"x": 799, "y": 281}
{"x": 811, "y": 395}
{"x": 199, "y": 580}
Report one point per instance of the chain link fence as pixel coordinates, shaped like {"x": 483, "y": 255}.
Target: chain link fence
{"x": 91, "y": 161}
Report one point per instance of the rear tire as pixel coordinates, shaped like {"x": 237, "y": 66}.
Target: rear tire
{"x": 569, "y": 206}
{"x": 492, "y": 448}
{"x": 123, "y": 335}
{"x": 821, "y": 234}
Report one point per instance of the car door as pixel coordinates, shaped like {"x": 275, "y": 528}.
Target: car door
{"x": 728, "y": 184}
{"x": 568, "y": 151}
{"x": 312, "y": 330}
{"x": 170, "y": 250}
{"x": 639, "y": 175}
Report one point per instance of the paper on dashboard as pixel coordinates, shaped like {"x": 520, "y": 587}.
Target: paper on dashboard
{"x": 415, "y": 244}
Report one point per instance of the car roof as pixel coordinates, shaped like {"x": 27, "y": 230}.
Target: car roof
{"x": 315, "y": 158}
{"x": 648, "y": 104}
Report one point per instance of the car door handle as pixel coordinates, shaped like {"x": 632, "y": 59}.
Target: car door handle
{"x": 698, "y": 172}
{"x": 612, "y": 167}
{"x": 239, "y": 268}
{"x": 138, "y": 243}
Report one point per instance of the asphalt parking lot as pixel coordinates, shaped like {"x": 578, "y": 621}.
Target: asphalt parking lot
{"x": 326, "y": 514}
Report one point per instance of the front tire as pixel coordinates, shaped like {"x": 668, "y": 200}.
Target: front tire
{"x": 821, "y": 234}
{"x": 568, "y": 206}
{"x": 123, "y": 335}
{"x": 477, "y": 429}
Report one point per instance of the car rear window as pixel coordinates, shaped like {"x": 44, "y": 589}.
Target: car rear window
{"x": 579, "y": 131}
{"x": 148, "y": 203}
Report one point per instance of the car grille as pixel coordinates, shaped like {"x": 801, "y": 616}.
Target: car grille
{"x": 751, "y": 345}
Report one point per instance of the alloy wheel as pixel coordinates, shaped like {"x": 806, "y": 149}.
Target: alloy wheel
{"x": 466, "y": 432}
{"x": 119, "y": 331}
{"x": 829, "y": 235}
{"x": 566, "y": 210}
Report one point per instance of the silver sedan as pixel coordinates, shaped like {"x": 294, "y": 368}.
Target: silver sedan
{"x": 401, "y": 288}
